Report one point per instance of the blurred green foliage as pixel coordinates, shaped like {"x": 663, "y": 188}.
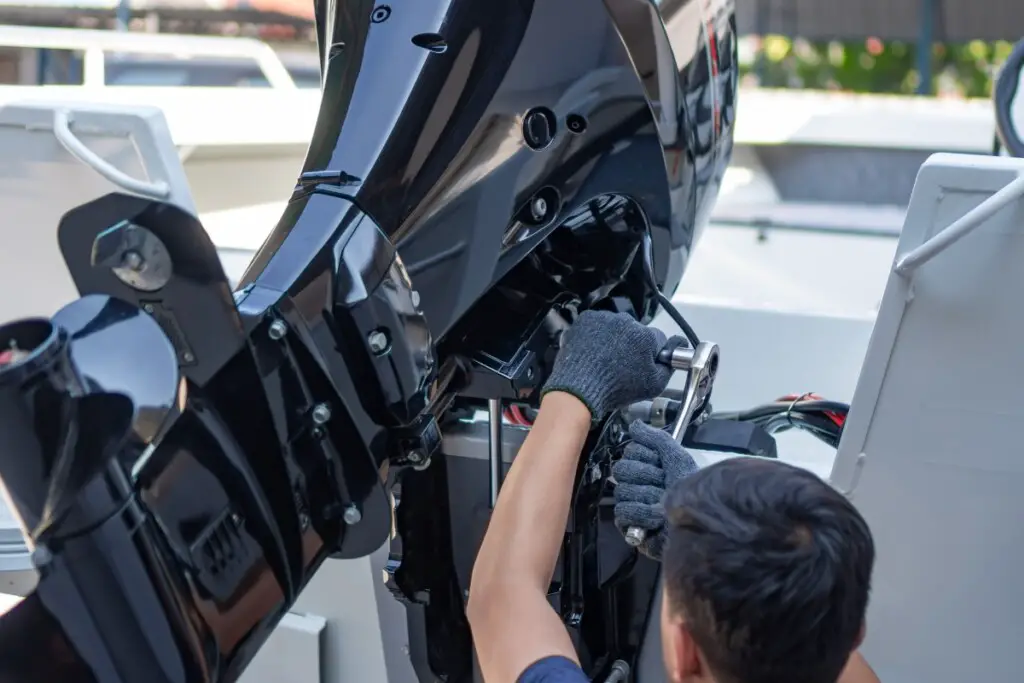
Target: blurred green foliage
{"x": 965, "y": 70}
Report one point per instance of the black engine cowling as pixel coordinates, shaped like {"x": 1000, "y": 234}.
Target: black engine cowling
{"x": 469, "y": 132}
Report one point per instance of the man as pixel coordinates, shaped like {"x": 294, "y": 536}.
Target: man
{"x": 766, "y": 568}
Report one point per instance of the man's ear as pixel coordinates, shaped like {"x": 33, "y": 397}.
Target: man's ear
{"x": 860, "y": 636}
{"x": 689, "y": 663}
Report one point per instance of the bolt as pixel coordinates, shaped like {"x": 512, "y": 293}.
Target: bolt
{"x": 378, "y": 342}
{"x": 529, "y": 373}
{"x": 148, "y": 308}
{"x": 415, "y": 296}
{"x": 321, "y": 413}
{"x": 236, "y": 519}
{"x": 187, "y": 357}
{"x": 41, "y": 557}
{"x": 133, "y": 260}
{"x": 415, "y": 457}
{"x": 352, "y": 515}
{"x": 277, "y": 330}
{"x": 539, "y": 208}
{"x": 635, "y": 536}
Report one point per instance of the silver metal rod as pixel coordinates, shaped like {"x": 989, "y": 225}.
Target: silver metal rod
{"x": 494, "y": 447}
{"x": 960, "y": 228}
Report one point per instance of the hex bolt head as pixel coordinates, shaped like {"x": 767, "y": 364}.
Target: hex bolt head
{"x": 352, "y": 515}
{"x": 378, "y": 342}
{"x": 133, "y": 260}
{"x": 321, "y": 413}
{"x": 539, "y": 209}
{"x": 278, "y": 329}
{"x": 635, "y": 536}
{"x": 41, "y": 556}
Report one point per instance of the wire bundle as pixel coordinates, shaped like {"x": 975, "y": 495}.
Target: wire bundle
{"x": 518, "y": 416}
{"x": 808, "y": 412}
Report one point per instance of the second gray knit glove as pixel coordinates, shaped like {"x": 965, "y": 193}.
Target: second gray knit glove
{"x": 651, "y": 463}
{"x": 609, "y": 360}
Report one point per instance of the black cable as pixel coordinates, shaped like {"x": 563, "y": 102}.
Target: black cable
{"x": 812, "y": 416}
{"x": 677, "y": 317}
{"x": 664, "y": 301}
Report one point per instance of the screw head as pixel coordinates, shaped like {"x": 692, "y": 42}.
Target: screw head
{"x": 148, "y": 308}
{"x": 539, "y": 208}
{"x": 321, "y": 413}
{"x": 378, "y": 342}
{"x": 277, "y": 330}
{"x": 415, "y": 457}
{"x": 352, "y": 515}
{"x": 187, "y": 357}
{"x": 415, "y": 296}
{"x": 133, "y": 260}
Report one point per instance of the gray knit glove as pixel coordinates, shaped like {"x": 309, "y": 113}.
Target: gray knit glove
{"x": 651, "y": 464}
{"x": 609, "y": 360}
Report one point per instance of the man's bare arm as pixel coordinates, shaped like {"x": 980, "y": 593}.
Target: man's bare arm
{"x": 512, "y": 622}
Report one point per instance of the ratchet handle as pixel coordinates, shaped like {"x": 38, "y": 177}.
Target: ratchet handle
{"x": 701, "y": 363}
{"x": 635, "y": 536}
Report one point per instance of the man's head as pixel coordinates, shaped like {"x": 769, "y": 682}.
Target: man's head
{"x": 767, "y": 571}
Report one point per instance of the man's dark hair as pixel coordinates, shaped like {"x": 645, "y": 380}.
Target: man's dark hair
{"x": 770, "y": 567}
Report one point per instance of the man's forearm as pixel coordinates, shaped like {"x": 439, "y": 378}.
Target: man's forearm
{"x": 527, "y": 526}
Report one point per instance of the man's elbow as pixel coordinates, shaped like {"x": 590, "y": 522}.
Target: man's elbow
{"x": 483, "y": 608}
{"x": 490, "y": 599}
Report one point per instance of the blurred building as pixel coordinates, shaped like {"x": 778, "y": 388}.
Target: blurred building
{"x": 276, "y": 19}
{"x": 954, "y": 21}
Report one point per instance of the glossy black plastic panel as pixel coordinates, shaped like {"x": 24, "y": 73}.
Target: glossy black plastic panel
{"x": 193, "y": 306}
{"x": 445, "y": 148}
{"x": 351, "y": 291}
{"x": 189, "y": 462}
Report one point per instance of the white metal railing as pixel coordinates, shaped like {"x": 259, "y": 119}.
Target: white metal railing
{"x": 973, "y": 219}
{"x": 97, "y": 44}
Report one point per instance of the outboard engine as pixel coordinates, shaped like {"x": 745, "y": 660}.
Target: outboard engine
{"x": 480, "y": 173}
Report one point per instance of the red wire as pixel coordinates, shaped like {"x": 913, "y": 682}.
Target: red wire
{"x": 515, "y": 416}
{"x": 523, "y": 420}
{"x": 838, "y": 418}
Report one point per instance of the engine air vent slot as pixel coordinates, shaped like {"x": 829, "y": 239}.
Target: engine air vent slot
{"x": 430, "y": 41}
{"x": 223, "y": 555}
{"x": 539, "y": 128}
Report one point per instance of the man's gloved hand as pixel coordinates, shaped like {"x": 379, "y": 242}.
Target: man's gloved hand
{"x": 652, "y": 462}
{"x": 609, "y": 360}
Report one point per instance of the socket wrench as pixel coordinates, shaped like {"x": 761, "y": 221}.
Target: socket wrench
{"x": 701, "y": 366}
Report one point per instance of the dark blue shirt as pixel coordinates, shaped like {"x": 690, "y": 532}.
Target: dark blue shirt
{"x": 553, "y": 670}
